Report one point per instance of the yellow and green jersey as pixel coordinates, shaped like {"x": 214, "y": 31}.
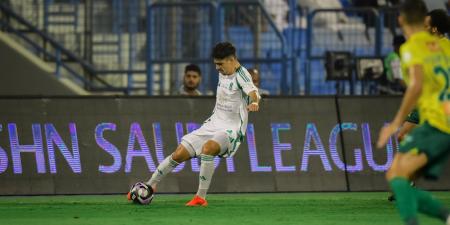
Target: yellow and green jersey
{"x": 444, "y": 40}
{"x": 434, "y": 56}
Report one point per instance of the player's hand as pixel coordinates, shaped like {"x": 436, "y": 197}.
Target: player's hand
{"x": 253, "y": 107}
{"x": 385, "y": 133}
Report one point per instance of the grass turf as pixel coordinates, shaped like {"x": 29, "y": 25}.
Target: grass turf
{"x": 223, "y": 209}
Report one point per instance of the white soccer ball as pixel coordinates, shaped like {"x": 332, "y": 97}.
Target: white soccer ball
{"x": 141, "y": 193}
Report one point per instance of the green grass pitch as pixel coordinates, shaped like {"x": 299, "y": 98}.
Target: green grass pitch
{"x": 224, "y": 209}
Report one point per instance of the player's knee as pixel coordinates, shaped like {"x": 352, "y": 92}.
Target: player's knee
{"x": 180, "y": 155}
{"x": 394, "y": 172}
{"x": 408, "y": 168}
{"x": 211, "y": 148}
{"x": 398, "y": 171}
{"x": 177, "y": 157}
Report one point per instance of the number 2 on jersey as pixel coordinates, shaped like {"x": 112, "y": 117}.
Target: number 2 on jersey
{"x": 444, "y": 95}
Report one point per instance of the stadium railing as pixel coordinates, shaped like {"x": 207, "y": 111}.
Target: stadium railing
{"x": 67, "y": 62}
{"x": 13, "y": 23}
{"x": 188, "y": 35}
{"x": 364, "y": 32}
{"x": 117, "y": 41}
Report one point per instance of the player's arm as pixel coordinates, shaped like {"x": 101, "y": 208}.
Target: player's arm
{"x": 254, "y": 101}
{"x": 246, "y": 84}
{"x": 409, "y": 101}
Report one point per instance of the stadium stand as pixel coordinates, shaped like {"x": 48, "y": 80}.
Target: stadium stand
{"x": 126, "y": 50}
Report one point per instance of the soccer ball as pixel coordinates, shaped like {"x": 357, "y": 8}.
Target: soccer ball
{"x": 140, "y": 193}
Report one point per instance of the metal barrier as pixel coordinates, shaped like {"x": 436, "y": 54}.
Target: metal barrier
{"x": 195, "y": 29}
{"x": 141, "y": 46}
{"x": 173, "y": 41}
{"x": 388, "y": 18}
{"x": 61, "y": 21}
{"x": 115, "y": 42}
{"x": 357, "y": 30}
{"x": 260, "y": 44}
{"x": 11, "y": 22}
{"x": 52, "y": 37}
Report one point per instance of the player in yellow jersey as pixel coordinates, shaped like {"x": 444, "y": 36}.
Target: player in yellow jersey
{"x": 425, "y": 63}
{"x": 438, "y": 24}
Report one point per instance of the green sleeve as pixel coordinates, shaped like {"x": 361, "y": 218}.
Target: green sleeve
{"x": 413, "y": 117}
{"x": 388, "y": 65}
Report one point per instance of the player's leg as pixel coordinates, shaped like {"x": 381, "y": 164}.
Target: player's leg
{"x": 404, "y": 130}
{"x": 210, "y": 149}
{"x": 393, "y": 167}
{"x": 213, "y": 147}
{"x": 180, "y": 155}
{"x": 185, "y": 151}
{"x": 398, "y": 177}
{"x": 436, "y": 145}
{"x": 394, "y": 164}
{"x": 427, "y": 204}
{"x": 431, "y": 206}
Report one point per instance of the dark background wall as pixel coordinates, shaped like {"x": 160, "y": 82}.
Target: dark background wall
{"x": 293, "y": 144}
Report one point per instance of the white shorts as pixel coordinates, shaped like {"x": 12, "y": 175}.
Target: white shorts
{"x": 228, "y": 139}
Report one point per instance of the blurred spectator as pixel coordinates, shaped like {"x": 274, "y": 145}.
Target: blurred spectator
{"x": 435, "y": 4}
{"x": 278, "y": 11}
{"x": 324, "y": 19}
{"x": 392, "y": 67}
{"x": 191, "y": 80}
{"x": 437, "y": 23}
{"x": 256, "y": 80}
{"x": 367, "y": 18}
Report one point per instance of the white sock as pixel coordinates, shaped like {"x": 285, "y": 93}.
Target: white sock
{"x": 206, "y": 173}
{"x": 165, "y": 167}
{"x": 448, "y": 220}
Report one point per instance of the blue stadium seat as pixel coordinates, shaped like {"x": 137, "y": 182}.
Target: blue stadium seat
{"x": 242, "y": 38}
{"x": 205, "y": 40}
{"x": 299, "y": 35}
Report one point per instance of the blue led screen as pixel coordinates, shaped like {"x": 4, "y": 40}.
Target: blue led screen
{"x": 100, "y": 145}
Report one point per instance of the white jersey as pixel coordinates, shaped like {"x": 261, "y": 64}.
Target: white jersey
{"x": 228, "y": 123}
{"x": 232, "y": 100}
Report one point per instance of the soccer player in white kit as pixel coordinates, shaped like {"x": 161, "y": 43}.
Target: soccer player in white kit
{"x": 223, "y": 132}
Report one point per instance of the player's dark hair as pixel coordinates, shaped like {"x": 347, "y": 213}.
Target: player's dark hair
{"x": 193, "y": 67}
{"x": 398, "y": 40}
{"x": 440, "y": 20}
{"x": 223, "y": 50}
{"x": 414, "y": 11}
